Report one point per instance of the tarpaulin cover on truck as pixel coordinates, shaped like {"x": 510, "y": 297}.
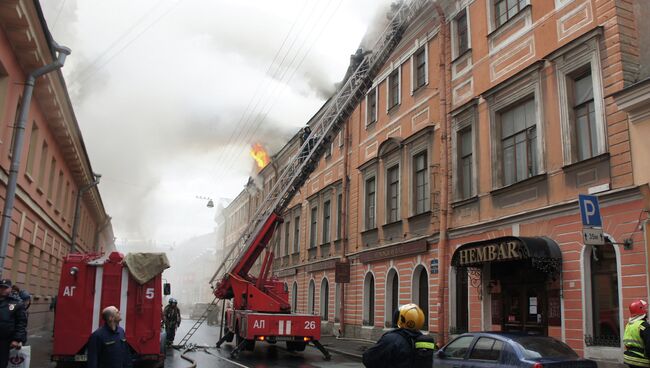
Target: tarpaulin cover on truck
{"x": 145, "y": 266}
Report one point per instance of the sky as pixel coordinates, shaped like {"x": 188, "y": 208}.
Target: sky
{"x": 171, "y": 94}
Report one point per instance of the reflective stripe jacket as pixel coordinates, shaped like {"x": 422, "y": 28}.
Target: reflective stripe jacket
{"x": 637, "y": 343}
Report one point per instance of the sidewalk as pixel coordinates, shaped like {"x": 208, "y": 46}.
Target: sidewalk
{"x": 41, "y": 348}
{"x": 352, "y": 348}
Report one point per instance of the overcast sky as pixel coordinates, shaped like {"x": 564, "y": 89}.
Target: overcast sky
{"x": 170, "y": 94}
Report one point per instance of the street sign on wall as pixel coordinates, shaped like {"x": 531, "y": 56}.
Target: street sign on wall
{"x": 592, "y": 236}
{"x": 434, "y": 266}
{"x": 589, "y": 211}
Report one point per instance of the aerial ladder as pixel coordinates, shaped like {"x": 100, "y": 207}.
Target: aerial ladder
{"x": 260, "y": 309}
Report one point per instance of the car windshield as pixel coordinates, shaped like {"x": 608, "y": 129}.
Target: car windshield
{"x": 536, "y": 347}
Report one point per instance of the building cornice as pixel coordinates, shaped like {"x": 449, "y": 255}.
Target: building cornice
{"x": 635, "y": 100}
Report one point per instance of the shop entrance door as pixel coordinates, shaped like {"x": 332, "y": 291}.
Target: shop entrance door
{"x": 525, "y": 304}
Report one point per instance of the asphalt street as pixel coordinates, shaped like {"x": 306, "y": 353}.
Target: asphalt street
{"x": 264, "y": 356}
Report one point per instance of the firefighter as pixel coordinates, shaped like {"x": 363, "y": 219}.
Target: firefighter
{"x": 637, "y": 336}
{"x": 13, "y": 322}
{"x": 107, "y": 347}
{"x": 404, "y": 346}
{"x": 171, "y": 319}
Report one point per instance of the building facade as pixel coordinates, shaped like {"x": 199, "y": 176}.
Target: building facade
{"x": 54, "y": 165}
{"x": 455, "y": 182}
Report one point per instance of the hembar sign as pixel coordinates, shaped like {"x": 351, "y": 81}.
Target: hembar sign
{"x": 505, "y": 251}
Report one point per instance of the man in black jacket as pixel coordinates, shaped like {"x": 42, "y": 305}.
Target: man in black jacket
{"x": 397, "y": 348}
{"x": 13, "y": 322}
{"x": 107, "y": 347}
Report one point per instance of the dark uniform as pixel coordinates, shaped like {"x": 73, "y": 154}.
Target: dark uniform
{"x": 395, "y": 349}
{"x": 171, "y": 319}
{"x": 13, "y": 326}
{"x": 107, "y": 348}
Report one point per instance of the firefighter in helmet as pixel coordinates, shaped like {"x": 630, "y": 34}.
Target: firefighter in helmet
{"x": 637, "y": 336}
{"x": 171, "y": 319}
{"x": 404, "y": 346}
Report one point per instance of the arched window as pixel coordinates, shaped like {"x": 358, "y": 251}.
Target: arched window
{"x": 420, "y": 292}
{"x": 602, "y": 275}
{"x": 310, "y": 298}
{"x": 294, "y": 297}
{"x": 324, "y": 299}
{"x": 392, "y": 297}
{"x": 369, "y": 300}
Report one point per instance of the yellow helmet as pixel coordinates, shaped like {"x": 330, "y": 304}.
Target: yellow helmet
{"x": 411, "y": 317}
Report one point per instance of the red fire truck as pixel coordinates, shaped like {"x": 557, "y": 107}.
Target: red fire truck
{"x": 90, "y": 283}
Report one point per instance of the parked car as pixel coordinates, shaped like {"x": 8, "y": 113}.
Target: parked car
{"x": 508, "y": 349}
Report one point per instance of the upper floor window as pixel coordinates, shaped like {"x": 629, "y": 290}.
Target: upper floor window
{"x": 313, "y": 229}
{"x": 287, "y": 234}
{"x": 326, "y": 221}
{"x": 392, "y": 194}
{"x": 420, "y": 183}
{"x": 519, "y": 142}
{"x": 584, "y": 116}
{"x": 465, "y": 162}
{"x": 461, "y": 35}
{"x": 296, "y": 234}
{"x": 50, "y": 183}
{"x": 420, "y": 70}
{"x": 43, "y": 163}
{"x": 506, "y": 9}
{"x": 393, "y": 89}
{"x": 33, "y": 141}
{"x": 370, "y": 204}
{"x": 339, "y": 215}
{"x": 371, "y": 106}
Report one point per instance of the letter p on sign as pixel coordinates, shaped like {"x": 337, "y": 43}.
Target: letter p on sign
{"x": 590, "y": 211}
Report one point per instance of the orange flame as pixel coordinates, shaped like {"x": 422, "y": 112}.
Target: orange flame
{"x": 260, "y": 155}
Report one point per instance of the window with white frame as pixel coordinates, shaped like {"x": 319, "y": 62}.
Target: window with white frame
{"x": 420, "y": 68}
{"x": 460, "y": 33}
{"x": 581, "y": 101}
{"x": 420, "y": 183}
{"x": 392, "y": 194}
{"x": 370, "y": 199}
{"x": 465, "y": 162}
{"x": 371, "y": 106}
{"x": 393, "y": 89}
{"x": 327, "y": 221}
{"x": 519, "y": 141}
{"x": 507, "y": 9}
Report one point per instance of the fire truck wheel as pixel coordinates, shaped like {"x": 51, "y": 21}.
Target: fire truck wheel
{"x": 296, "y": 345}
{"x": 249, "y": 345}
{"x": 229, "y": 335}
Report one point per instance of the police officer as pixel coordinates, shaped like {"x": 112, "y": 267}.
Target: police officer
{"x": 107, "y": 347}
{"x": 171, "y": 319}
{"x": 13, "y": 322}
{"x": 637, "y": 336}
{"x": 404, "y": 346}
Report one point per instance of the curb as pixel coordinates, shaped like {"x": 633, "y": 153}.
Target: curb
{"x": 341, "y": 352}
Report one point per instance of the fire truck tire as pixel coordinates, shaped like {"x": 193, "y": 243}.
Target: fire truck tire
{"x": 296, "y": 345}
{"x": 229, "y": 335}
{"x": 249, "y": 345}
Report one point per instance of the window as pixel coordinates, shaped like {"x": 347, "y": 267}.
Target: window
{"x": 457, "y": 349}
{"x": 50, "y": 187}
{"x": 584, "y": 117}
{"x": 43, "y": 163}
{"x": 392, "y": 194}
{"x": 371, "y": 106}
{"x": 33, "y": 141}
{"x": 73, "y": 201}
{"x": 420, "y": 182}
{"x": 324, "y": 299}
{"x": 294, "y": 297}
{"x": 66, "y": 199}
{"x": 370, "y": 204}
{"x": 487, "y": 349}
{"x": 462, "y": 300}
{"x": 59, "y": 190}
{"x": 296, "y": 234}
{"x": 326, "y": 221}
{"x": 393, "y": 89}
{"x": 506, "y": 9}
{"x": 392, "y": 297}
{"x": 604, "y": 295}
{"x": 310, "y": 298}
{"x": 339, "y": 215}
{"x": 519, "y": 142}
{"x": 462, "y": 33}
{"x": 465, "y": 164}
{"x": 420, "y": 68}
{"x": 369, "y": 300}
{"x": 420, "y": 292}
{"x": 314, "y": 227}
{"x": 287, "y": 234}
{"x": 13, "y": 128}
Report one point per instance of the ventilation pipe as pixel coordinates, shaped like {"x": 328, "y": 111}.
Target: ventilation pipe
{"x": 17, "y": 148}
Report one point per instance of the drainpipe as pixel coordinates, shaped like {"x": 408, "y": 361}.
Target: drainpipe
{"x": 444, "y": 170}
{"x": 17, "y": 148}
{"x": 344, "y": 217}
{"x": 77, "y": 211}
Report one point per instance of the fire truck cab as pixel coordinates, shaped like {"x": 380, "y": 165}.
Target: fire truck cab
{"x": 89, "y": 283}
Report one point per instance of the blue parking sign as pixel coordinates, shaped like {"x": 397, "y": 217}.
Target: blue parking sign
{"x": 590, "y": 210}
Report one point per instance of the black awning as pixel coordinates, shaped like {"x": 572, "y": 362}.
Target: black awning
{"x": 543, "y": 252}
